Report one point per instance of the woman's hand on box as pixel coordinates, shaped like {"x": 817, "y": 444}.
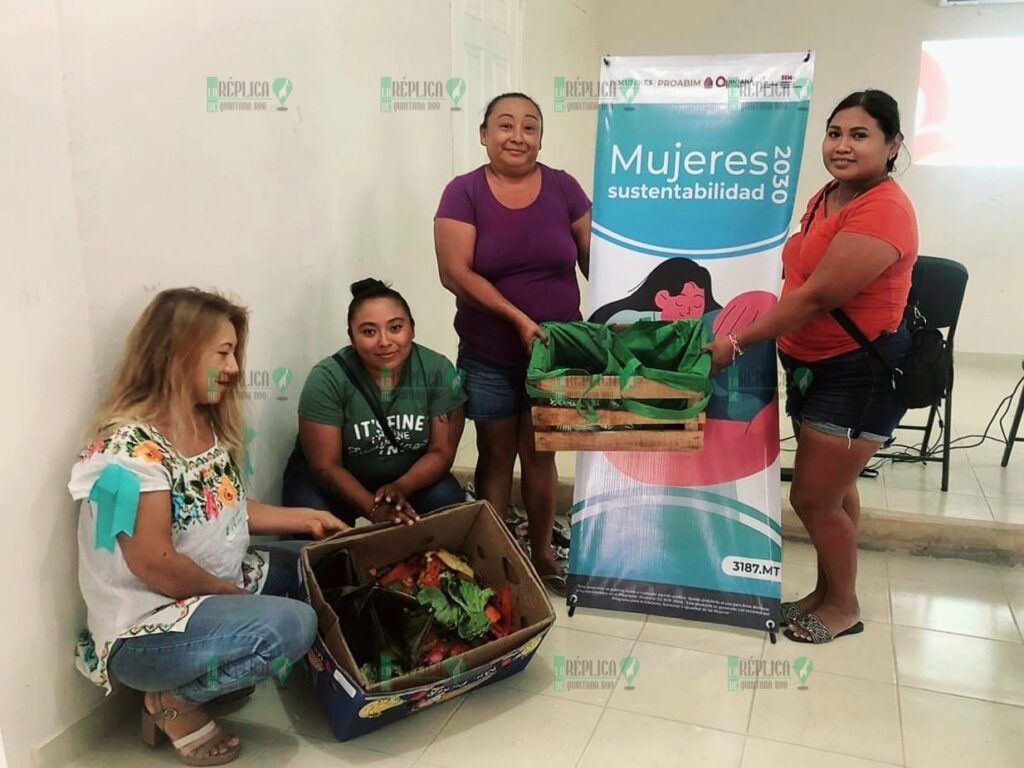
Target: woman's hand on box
{"x": 390, "y": 504}
{"x": 320, "y": 524}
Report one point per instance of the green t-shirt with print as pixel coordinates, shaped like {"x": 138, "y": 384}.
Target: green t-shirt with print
{"x": 429, "y": 386}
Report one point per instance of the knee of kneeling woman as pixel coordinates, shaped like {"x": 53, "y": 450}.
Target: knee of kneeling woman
{"x": 305, "y": 630}
{"x": 292, "y": 631}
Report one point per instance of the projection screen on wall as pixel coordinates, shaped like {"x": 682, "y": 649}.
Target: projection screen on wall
{"x": 969, "y": 110}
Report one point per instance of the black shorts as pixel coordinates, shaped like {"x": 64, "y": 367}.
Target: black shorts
{"x": 851, "y": 395}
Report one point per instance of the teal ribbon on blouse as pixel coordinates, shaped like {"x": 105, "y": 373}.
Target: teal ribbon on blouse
{"x": 116, "y": 497}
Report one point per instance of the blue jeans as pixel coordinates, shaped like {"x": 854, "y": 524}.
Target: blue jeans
{"x": 495, "y": 390}
{"x": 230, "y": 642}
{"x": 300, "y": 490}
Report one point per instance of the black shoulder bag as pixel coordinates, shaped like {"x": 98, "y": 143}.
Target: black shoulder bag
{"x": 923, "y": 379}
{"x": 378, "y": 414}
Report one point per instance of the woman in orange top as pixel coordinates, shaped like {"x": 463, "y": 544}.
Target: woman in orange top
{"x": 855, "y": 250}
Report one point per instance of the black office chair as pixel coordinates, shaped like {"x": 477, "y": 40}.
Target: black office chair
{"x": 937, "y": 290}
{"x": 1012, "y": 438}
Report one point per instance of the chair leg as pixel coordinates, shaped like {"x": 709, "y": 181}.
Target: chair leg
{"x": 946, "y": 433}
{"x": 1013, "y": 431}
{"x": 928, "y": 429}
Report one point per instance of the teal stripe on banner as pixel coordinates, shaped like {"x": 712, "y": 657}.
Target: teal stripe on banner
{"x": 611, "y": 237}
{"x": 686, "y": 493}
{"x": 673, "y": 544}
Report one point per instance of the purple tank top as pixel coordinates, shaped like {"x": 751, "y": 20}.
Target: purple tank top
{"x": 528, "y": 254}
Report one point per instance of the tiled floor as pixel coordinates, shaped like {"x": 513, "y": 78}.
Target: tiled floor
{"x": 937, "y": 679}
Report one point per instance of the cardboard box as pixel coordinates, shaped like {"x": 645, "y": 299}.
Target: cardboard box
{"x": 353, "y": 707}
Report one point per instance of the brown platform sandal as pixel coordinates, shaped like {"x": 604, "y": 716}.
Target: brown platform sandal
{"x": 194, "y": 748}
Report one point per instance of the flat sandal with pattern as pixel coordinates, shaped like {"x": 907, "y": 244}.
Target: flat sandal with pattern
{"x": 819, "y": 633}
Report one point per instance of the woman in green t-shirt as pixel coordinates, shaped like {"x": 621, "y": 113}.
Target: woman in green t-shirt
{"x": 379, "y": 421}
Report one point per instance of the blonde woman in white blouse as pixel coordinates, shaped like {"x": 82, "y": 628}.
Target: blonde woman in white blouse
{"x": 179, "y": 605}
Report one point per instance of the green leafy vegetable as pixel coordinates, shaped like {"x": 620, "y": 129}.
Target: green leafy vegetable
{"x": 470, "y": 597}
{"x": 445, "y": 614}
{"x": 473, "y": 625}
{"x": 472, "y": 600}
{"x": 460, "y": 604}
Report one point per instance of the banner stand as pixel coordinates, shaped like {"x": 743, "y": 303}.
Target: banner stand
{"x": 697, "y": 163}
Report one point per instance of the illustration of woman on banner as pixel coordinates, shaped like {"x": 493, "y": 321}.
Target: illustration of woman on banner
{"x": 741, "y": 433}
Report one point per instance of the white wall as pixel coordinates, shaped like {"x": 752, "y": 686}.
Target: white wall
{"x": 965, "y": 214}
{"x": 123, "y": 185}
{"x": 48, "y": 386}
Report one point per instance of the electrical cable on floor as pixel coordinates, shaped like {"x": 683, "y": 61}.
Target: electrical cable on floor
{"x": 912, "y": 453}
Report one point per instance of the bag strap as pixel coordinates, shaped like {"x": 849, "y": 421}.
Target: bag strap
{"x": 851, "y": 328}
{"x": 378, "y": 414}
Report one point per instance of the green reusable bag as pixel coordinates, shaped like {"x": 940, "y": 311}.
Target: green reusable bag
{"x": 671, "y": 353}
{"x": 663, "y": 351}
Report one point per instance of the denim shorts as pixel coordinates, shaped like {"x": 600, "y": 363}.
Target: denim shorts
{"x": 849, "y": 395}
{"x": 495, "y": 390}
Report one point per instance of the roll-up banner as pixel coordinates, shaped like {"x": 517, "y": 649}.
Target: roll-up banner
{"x": 696, "y": 170}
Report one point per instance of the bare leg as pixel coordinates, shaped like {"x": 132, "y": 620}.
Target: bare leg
{"x": 809, "y": 603}
{"x": 496, "y": 458}
{"x": 539, "y": 485}
{"x": 826, "y": 468}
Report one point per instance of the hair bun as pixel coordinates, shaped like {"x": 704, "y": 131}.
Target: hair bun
{"x": 366, "y": 285}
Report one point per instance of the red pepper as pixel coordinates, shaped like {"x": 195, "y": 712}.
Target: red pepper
{"x": 399, "y": 572}
{"x": 504, "y": 596}
{"x": 431, "y": 575}
{"x": 493, "y": 614}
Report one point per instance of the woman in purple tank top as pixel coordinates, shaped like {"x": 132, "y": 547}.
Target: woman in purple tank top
{"x": 509, "y": 237}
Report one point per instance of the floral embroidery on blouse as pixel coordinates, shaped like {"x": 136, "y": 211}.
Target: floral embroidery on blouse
{"x": 200, "y": 490}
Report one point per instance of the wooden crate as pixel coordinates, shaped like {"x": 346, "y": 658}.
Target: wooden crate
{"x": 684, "y": 435}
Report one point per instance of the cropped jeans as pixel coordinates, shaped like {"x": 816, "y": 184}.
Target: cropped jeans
{"x": 230, "y": 641}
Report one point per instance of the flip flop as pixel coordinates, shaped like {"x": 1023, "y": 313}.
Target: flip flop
{"x": 819, "y": 633}
{"x": 789, "y": 613}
